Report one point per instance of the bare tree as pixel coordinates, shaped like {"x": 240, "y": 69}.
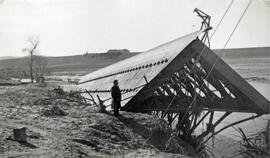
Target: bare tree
{"x": 32, "y": 49}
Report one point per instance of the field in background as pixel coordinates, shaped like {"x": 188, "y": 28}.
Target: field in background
{"x": 239, "y": 59}
{"x": 253, "y": 64}
{"x": 68, "y": 65}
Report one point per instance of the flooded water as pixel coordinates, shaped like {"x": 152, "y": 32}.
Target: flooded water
{"x": 249, "y": 127}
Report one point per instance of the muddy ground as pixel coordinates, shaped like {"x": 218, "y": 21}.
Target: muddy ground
{"x": 59, "y": 128}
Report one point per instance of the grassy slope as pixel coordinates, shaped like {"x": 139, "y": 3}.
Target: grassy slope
{"x": 87, "y": 63}
{"x": 92, "y": 62}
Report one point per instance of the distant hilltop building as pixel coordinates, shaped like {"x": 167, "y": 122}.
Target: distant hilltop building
{"x": 118, "y": 51}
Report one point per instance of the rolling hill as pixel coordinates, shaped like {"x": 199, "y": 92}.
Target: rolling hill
{"x": 6, "y": 57}
{"x": 236, "y": 53}
{"x": 82, "y": 64}
{"x": 78, "y": 63}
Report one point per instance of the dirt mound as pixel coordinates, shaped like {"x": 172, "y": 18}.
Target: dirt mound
{"x": 81, "y": 133}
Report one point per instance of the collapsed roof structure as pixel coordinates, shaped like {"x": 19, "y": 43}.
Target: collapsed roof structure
{"x": 171, "y": 70}
{"x": 178, "y": 79}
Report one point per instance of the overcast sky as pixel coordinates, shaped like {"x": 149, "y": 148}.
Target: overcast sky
{"x": 67, "y": 27}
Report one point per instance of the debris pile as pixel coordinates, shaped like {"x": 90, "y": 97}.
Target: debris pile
{"x": 54, "y": 111}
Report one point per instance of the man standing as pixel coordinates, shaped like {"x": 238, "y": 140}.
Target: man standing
{"x": 116, "y": 97}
